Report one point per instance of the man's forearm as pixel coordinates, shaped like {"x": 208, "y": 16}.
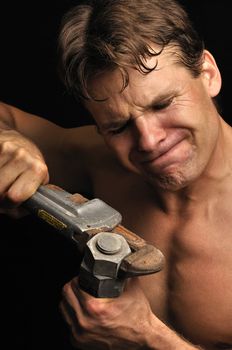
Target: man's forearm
{"x": 161, "y": 337}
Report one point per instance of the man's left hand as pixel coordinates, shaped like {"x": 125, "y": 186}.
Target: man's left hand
{"x": 96, "y": 323}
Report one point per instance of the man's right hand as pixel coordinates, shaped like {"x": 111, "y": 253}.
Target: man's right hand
{"x": 22, "y": 170}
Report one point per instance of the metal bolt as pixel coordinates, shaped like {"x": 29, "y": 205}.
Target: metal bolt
{"x": 104, "y": 253}
{"x": 109, "y": 244}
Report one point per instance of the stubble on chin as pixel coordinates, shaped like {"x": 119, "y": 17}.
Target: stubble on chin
{"x": 176, "y": 178}
{"x": 167, "y": 182}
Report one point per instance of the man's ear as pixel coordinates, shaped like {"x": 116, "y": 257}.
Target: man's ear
{"x": 211, "y": 74}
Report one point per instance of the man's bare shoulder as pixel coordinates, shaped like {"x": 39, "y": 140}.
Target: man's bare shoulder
{"x": 86, "y": 135}
{"x": 90, "y": 146}
{"x": 92, "y": 161}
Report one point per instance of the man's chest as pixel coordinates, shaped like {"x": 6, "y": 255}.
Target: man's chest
{"x": 193, "y": 293}
{"x": 196, "y": 297}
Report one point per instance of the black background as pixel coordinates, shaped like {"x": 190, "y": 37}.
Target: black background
{"x": 35, "y": 263}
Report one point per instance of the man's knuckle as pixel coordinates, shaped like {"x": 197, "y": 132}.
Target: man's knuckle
{"x": 20, "y": 154}
{"x": 66, "y": 289}
{"x": 96, "y": 308}
{"x": 13, "y": 197}
{"x": 39, "y": 168}
{"x": 6, "y": 147}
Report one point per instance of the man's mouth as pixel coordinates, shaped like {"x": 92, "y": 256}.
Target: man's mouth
{"x": 160, "y": 153}
{"x": 176, "y": 150}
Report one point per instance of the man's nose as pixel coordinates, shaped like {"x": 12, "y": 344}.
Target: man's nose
{"x": 149, "y": 133}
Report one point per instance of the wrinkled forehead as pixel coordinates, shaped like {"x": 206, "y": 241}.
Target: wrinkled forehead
{"x": 109, "y": 85}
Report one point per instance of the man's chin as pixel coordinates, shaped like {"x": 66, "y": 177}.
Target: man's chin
{"x": 173, "y": 180}
{"x": 167, "y": 182}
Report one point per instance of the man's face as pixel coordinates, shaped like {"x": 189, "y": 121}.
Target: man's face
{"x": 163, "y": 125}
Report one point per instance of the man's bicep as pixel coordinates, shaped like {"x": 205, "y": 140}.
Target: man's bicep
{"x": 64, "y": 150}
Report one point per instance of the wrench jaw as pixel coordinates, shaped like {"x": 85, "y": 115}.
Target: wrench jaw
{"x": 143, "y": 261}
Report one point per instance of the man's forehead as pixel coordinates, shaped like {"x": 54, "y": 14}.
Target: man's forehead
{"x": 109, "y": 85}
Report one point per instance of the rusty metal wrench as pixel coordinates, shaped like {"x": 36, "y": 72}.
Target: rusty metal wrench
{"x": 111, "y": 253}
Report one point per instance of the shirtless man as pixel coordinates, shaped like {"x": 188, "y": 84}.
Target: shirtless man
{"x": 161, "y": 156}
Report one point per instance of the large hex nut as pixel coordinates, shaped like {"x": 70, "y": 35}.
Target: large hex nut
{"x": 100, "y": 286}
{"x": 105, "y": 252}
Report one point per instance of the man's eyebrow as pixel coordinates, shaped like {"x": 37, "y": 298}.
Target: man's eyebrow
{"x": 117, "y": 123}
{"x": 163, "y": 96}
{"x": 114, "y": 124}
